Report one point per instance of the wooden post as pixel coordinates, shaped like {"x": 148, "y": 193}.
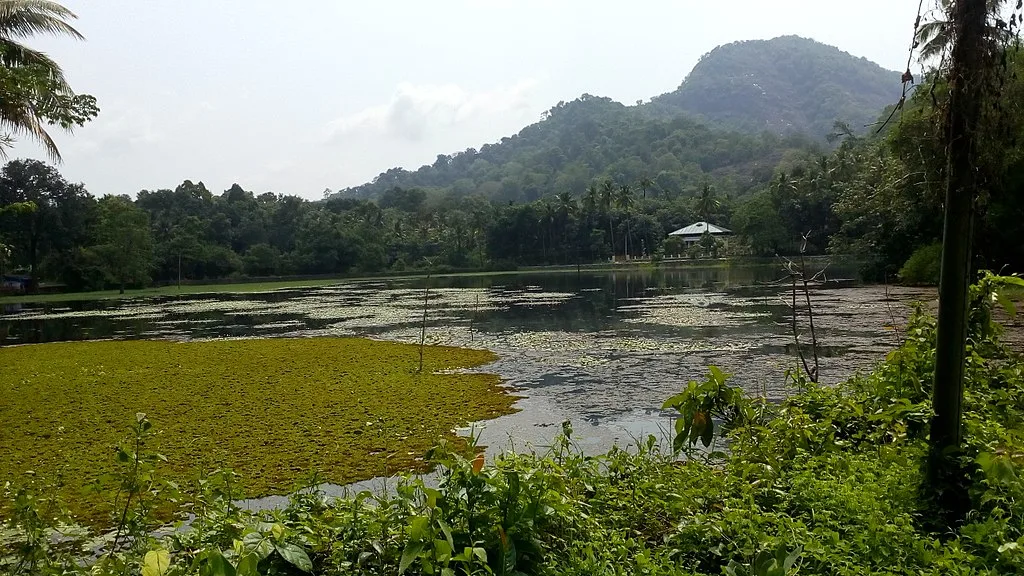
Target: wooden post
{"x": 966, "y": 79}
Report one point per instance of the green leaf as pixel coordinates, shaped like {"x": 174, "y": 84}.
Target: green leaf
{"x": 717, "y": 375}
{"x": 295, "y": 556}
{"x": 1008, "y": 546}
{"x": 257, "y": 544}
{"x": 791, "y": 559}
{"x": 709, "y": 433}
{"x": 432, "y": 496}
{"x": 218, "y": 565}
{"x": 509, "y": 556}
{"x": 156, "y": 563}
{"x": 409, "y": 555}
{"x": 480, "y": 553}
{"x": 248, "y": 565}
{"x": 418, "y": 527}
{"x": 442, "y": 550}
{"x": 447, "y": 532}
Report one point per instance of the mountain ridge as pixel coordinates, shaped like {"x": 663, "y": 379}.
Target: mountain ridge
{"x": 713, "y": 127}
{"x": 788, "y": 83}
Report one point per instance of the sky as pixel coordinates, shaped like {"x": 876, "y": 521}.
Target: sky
{"x": 297, "y": 97}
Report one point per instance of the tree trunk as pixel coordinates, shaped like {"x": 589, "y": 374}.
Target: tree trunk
{"x": 964, "y": 114}
{"x": 611, "y": 235}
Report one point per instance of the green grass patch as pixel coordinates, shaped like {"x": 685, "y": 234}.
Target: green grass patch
{"x": 272, "y": 410}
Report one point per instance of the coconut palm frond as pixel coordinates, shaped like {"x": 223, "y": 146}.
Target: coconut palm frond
{"x": 25, "y": 18}
{"x": 15, "y": 55}
{"x": 38, "y": 77}
{"x": 18, "y": 118}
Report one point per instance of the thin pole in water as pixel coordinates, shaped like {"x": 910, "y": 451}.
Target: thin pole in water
{"x": 423, "y": 328}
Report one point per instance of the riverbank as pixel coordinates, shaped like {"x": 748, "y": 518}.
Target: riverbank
{"x": 274, "y": 410}
{"x": 253, "y": 285}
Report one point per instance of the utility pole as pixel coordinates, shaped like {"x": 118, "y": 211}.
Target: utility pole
{"x": 966, "y": 81}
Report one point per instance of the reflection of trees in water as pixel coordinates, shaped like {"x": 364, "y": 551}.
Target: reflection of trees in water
{"x": 596, "y": 304}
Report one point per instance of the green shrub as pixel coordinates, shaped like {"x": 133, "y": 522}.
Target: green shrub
{"x": 923, "y": 266}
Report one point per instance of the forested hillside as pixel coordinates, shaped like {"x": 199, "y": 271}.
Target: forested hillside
{"x": 785, "y": 85}
{"x": 743, "y": 109}
{"x": 592, "y": 138}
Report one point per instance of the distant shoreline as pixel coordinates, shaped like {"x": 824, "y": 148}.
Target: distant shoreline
{"x": 251, "y": 285}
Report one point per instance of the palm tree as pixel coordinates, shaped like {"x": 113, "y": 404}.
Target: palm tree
{"x": 644, "y": 184}
{"x": 591, "y": 199}
{"x": 566, "y": 203}
{"x": 548, "y": 217}
{"x": 936, "y": 35}
{"x": 590, "y": 202}
{"x": 624, "y": 200}
{"x": 707, "y": 202}
{"x": 566, "y": 208}
{"x": 607, "y": 200}
{"x": 31, "y": 84}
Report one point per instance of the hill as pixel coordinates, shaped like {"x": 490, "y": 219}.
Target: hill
{"x": 594, "y": 138}
{"x": 783, "y": 85}
{"x": 744, "y": 108}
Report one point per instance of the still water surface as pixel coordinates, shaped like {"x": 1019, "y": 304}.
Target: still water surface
{"x": 602, "y": 350}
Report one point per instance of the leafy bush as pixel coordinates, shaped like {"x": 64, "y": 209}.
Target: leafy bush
{"x": 923, "y": 266}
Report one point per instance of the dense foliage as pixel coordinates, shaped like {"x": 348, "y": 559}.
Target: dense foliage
{"x": 785, "y": 85}
{"x": 826, "y": 482}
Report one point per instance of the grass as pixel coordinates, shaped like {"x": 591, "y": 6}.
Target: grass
{"x": 273, "y": 410}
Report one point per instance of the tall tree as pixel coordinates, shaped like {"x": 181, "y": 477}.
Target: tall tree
{"x": 645, "y": 184}
{"x": 935, "y": 35}
{"x": 124, "y": 241}
{"x": 624, "y": 201}
{"x": 607, "y": 201}
{"x": 967, "y": 79}
{"x": 707, "y": 202}
{"x": 33, "y": 91}
{"x": 60, "y": 221}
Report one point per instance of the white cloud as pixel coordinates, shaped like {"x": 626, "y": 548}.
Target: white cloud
{"x": 418, "y": 110}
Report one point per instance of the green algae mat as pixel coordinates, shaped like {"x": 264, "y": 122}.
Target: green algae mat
{"x": 272, "y": 410}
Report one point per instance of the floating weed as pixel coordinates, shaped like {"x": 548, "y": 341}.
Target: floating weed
{"x": 269, "y": 409}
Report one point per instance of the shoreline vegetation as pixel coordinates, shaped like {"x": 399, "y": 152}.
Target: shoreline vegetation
{"x": 258, "y": 407}
{"x": 254, "y": 285}
{"x": 829, "y": 481}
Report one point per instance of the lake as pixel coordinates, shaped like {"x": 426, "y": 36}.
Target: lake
{"x": 600, "y": 349}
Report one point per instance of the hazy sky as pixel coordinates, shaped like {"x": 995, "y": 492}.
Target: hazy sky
{"x": 294, "y": 97}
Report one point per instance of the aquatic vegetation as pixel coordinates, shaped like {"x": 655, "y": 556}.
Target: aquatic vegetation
{"x": 273, "y": 410}
{"x": 694, "y": 311}
{"x": 825, "y": 482}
